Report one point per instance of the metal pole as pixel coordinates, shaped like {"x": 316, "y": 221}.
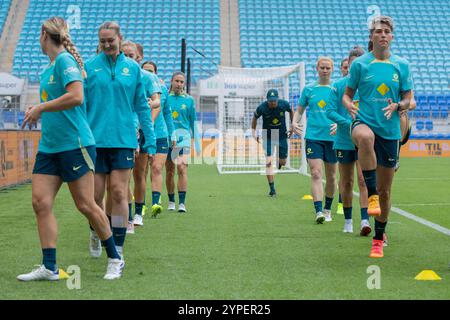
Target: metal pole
{"x": 188, "y": 76}
{"x": 183, "y": 55}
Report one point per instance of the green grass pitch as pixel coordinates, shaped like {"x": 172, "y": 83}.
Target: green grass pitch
{"x": 237, "y": 243}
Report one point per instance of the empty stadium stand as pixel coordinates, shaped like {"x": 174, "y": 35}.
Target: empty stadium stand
{"x": 271, "y": 33}
{"x": 4, "y": 8}
{"x": 159, "y": 25}
{"x": 287, "y": 31}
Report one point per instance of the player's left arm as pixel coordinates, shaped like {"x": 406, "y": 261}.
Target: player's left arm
{"x": 154, "y": 103}
{"x": 406, "y": 87}
{"x": 140, "y": 105}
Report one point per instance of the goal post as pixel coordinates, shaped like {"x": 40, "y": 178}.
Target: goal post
{"x": 239, "y": 92}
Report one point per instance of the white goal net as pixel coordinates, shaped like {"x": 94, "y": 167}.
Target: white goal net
{"x": 239, "y": 92}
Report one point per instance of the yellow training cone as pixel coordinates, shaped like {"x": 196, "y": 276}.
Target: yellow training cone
{"x": 427, "y": 275}
{"x": 63, "y": 275}
{"x": 307, "y": 197}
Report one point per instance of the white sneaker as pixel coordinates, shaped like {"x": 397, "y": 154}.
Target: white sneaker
{"x": 348, "y": 226}
{"x": 171, "y": 206}
{"x": 130, "y": 227}
{"x": 40, "y": 273}
{"x": 182, "y": 208}
{"x": 365, "y": 228}
{"x": 114, "y": 270}
{"x": 138, "y": 221}
{"x": 320, "y": 218}
{"x": 95, "y": 245}
{"x": 327, "y": 214}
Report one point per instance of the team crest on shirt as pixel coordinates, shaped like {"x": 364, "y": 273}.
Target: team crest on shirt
{"x": 174, "y": 114}
{"x": 383, "y": 89}
{"x": 395, "y": 77}
{"x": 183, "y": 106}
{"x": 275, "y": 121}
{"x": 126, "y": 72}
{"x": 322, "y": 104}
{"x": 52, "y": 80}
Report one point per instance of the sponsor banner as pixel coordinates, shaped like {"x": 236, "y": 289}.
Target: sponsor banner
{"x": 10, "y": 85}
{"x": 17, "y": 154}
{"x": 426, "y": 148}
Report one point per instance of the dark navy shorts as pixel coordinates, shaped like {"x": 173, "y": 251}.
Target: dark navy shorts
{"x": 177, "y": 151}
{"x": 346, "y": 156}
{"x": 69, "y": 165}
{"x": 282, "y": 147}
{"x": 162, "y": 145}
{"x": 109, "y": 159}
{"x": 386, "y": 150}
{"x": 320, "y": 149}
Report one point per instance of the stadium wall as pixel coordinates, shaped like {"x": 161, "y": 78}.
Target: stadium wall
{"x": 17, "y": 154}
{"x": 18, "y": 150}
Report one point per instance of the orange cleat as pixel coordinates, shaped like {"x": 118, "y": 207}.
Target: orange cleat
{"x": 377, "y": 249}
{"x": 374, "y": 206}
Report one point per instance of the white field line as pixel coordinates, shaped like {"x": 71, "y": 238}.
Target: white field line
{"x": 422, "y": 204}
{"x": 413, "y": 217}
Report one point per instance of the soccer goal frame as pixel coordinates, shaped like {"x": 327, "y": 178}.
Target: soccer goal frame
{"x": 240, "y": 91}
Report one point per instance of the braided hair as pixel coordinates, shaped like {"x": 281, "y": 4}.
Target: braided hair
{"x": 58, "y": 31}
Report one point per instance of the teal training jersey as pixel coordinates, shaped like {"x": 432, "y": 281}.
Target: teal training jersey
{"x": 317, "y": 97}
{"x": 152, "y": 86}
{"x": 114, "y": 91}
{"x": 274, "y": 119}
{"x": 68, "y": 129}
{"x": 337, "y": 113}
{"x": 377, "y": 81}
{"x": 164, "y": 122}
{"x": 184, "y": 120}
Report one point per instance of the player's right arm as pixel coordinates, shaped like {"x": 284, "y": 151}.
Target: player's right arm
{"x": 142, "y": 110}
{"x": 352, "y": 86}
{"x": 256, "y": 115}
{"x": 298, "y": 114}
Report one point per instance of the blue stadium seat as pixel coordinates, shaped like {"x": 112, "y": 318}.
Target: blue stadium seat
{"x": 341, "y": 34}
{"x": 420, "y": 125}
{"x": 428, "y": 125}
{"x": 435, "y": 111}
{"x": 161, "y": 24}
{"x": 443, "y": 109}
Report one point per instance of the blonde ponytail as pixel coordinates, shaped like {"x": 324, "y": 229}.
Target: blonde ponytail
{"x": 58, "y": 31}
{"x": 70, "y": 47}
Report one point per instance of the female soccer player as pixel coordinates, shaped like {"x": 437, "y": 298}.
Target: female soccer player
{"x": 153, "y": 92}
{"x": 184, "y": 120}
{"x": 344, "y": 66}
{"x": 405, "y": 125}
{"x": 384, "y": 83}
{"x": 164, "y": 129}
{"x": 273, "y": 111}
{"x": 347, "y": 155}
{"x": 66, "y": 150}
{"x": 115, "y": 90}
{"x": 319, "y": 142}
